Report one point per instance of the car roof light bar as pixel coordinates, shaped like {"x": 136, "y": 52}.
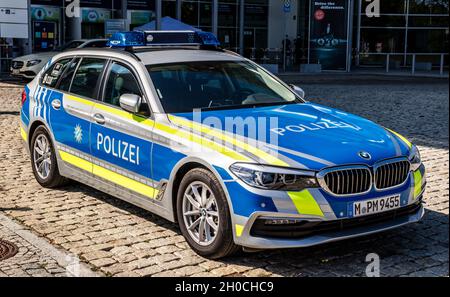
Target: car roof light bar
{"x": 162, "y": 38}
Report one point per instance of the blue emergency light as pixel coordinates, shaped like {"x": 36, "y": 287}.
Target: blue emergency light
{"x": 162, "y": 38}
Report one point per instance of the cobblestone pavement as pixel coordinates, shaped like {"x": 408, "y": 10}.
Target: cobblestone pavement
{"x": 116, "y": 238}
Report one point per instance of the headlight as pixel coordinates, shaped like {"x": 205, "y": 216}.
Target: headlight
{"x": 414, "y": 158}
{"x": 274, "y": 178}
{"x": 33, "y": 62}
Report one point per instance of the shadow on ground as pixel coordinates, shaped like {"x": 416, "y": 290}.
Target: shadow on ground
{"x": 396, "y": 248}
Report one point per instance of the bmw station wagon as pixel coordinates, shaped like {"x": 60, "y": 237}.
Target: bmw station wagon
{"x": 145, "y": 121}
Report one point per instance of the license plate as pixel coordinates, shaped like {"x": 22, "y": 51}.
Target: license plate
{"x": 15, "y": 71}
{"x": 367, "y": 207}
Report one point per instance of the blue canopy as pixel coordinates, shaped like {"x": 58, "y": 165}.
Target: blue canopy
{"x": 167, "y": 23}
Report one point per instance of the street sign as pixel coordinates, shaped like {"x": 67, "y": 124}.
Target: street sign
{"x": 287, "y": 6}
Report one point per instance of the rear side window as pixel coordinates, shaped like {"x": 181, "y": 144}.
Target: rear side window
{"x": 66, "y": 78}
{"x": 85, "y": 80}
{"x": 52, "y": 75}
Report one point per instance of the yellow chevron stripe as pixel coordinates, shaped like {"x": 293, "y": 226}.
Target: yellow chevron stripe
{"x": 23, "y": 134}
{"x": 408, "y": 143}
{"x": 239, "y": 229}
{"x": 231, "y": 140}
{"x": 305, "y": 203}
{"x": 417, "y": 183}
{"x": 80, "y": 100}
{"x": 112, "y": 176}
{"x": 76, "y": 161}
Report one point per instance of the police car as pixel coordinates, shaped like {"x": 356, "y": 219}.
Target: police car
{"x": 172, "y": 123}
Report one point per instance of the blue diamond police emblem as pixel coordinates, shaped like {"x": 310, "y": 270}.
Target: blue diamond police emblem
{"x": 78, "y": 134}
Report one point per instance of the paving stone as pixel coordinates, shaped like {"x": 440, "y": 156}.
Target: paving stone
{"x": 119, "y": 239}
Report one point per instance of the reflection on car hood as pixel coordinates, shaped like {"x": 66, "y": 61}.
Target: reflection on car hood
{"x": 308, "y": 135}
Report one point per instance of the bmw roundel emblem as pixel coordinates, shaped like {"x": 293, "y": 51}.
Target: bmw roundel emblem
{"x": 365, "y": 155}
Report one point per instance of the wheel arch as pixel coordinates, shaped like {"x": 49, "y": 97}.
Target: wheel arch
{"x": 181, "y": 169}
{"x": 33, "y": 128}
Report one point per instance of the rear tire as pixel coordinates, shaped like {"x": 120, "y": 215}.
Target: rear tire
{"x": 43, "y": 160}
{"x": 204, "y": 216}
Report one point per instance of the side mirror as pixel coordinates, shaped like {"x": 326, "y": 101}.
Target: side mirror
{"x": 299, "y": 91}
{"x": 130, "y": 102}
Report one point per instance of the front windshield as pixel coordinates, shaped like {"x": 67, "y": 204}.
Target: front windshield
{"x": 69, "y": 45}
{"x": 182, "y": 87}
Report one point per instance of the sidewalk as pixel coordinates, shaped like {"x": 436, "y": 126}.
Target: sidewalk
{"x": 36, "y": 256}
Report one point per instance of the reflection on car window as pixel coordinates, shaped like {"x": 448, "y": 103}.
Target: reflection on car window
{"x": 182, "y": 87}
{"x": 120, "y": 81}
{"x": 66, "y": 79}
{"x": 55, "y": 71}
{"x": 98, "y": 43}
{"x": 70, "y": 45}
{"x": 85, "y": 79}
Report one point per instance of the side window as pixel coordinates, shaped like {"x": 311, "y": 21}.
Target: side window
{"x": 66, "y": 78}
{"x": 120, "y": 81}
{"x": 55, "y": 71}
{"x": 85, "y": 79}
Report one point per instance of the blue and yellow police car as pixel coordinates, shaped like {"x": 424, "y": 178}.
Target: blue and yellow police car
{"x": 172, "y": 123}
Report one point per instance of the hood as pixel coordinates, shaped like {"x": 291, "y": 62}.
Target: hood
{"x": 45, "y": 56}
{"x": 307, "y": 135}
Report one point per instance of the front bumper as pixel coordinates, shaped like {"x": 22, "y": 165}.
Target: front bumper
{"x": 28, "y": 72}
{"x": 25, "y": 74}
{"x": 343, "y": 229}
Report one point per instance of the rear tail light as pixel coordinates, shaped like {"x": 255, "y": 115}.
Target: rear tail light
{"x": 24, "y": 96}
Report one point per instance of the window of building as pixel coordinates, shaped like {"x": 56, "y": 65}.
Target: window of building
{"x": 169, "y": 8}
{"x": 189, "y": 13}
{"x": 205, "y": 14}
{"x": 388, "y": 6}
{"x": 428, "y": 7}
{"x": 427, "y": 41}
{"x": 404, "y": 28}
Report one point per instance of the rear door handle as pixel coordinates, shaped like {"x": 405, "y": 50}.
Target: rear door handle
{"x": 56, "y": 104}
{"x": 100, "y": 119}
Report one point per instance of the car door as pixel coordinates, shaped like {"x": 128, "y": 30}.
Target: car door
{"x": 71, "y": 112}
{"x": 120, "y": 140}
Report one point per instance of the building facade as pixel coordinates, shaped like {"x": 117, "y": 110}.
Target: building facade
{"x": 337, "y": 34}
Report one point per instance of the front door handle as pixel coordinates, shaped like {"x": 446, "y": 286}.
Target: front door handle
{"x": 99, "y": 118}
{"x": 56, "y": 104}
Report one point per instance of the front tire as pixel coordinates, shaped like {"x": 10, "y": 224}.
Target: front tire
{"x": 204, "y": 216}
{"x": 43, "y": 160}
